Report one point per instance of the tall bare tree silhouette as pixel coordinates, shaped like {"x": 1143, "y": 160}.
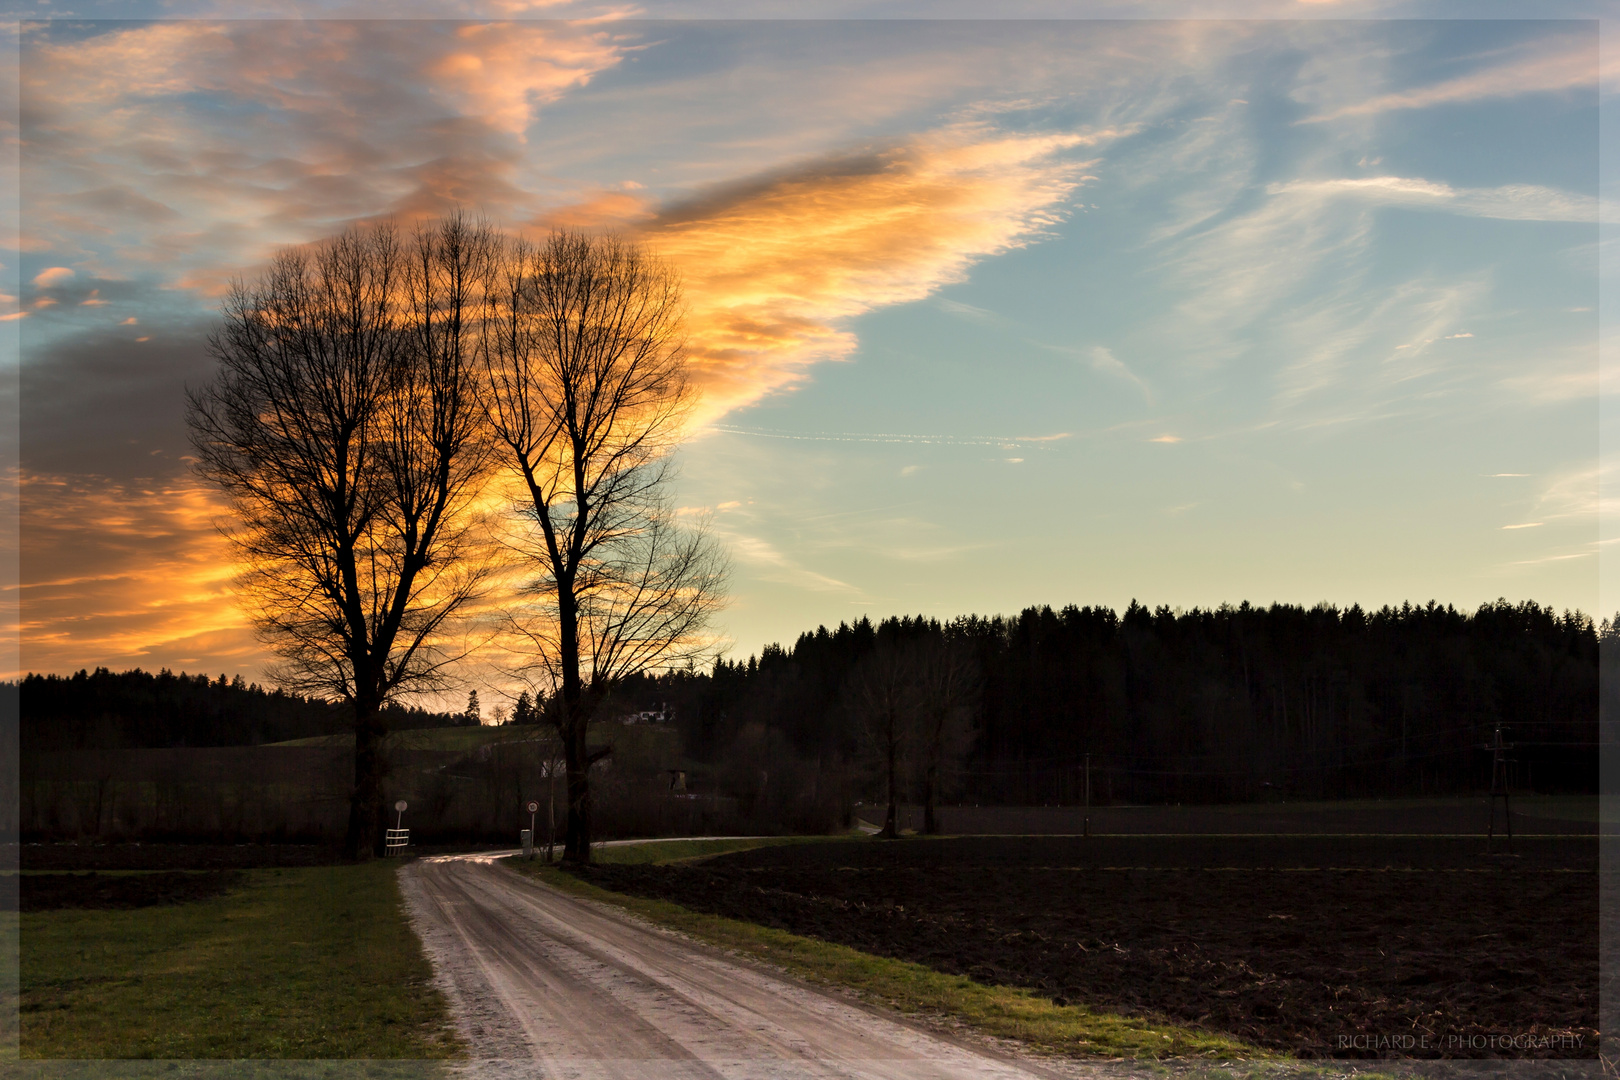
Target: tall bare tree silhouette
{"x": 345, "y": 429}
{"x": 588, "y": 394}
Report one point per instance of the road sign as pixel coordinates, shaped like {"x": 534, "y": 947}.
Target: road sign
{"x": 534, "y": 808}
{"x": 400, "y": 806}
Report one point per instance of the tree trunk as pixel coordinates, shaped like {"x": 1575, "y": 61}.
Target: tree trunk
{"x": 577, "y": 763}
{"x": 930, "y": 820}
{"x": 364, "y": 837}
{"x": 891, "y": 823}
{"x": 576, "y": 755}
{"x": 551, "y": 810}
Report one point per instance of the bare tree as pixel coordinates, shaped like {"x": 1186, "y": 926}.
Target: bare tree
{"x": 344, "y": 429}
{"x": 912, "y": 699}
{"x": 588, "y": 392}
{"x": 551, "y": 767}
{"x": 945, "y": 680}
{"x": 880, "y": 697}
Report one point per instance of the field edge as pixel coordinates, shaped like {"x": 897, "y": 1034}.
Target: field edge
{"x": 951, "y": 1001}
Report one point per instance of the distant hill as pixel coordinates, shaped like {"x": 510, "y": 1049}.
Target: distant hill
{"x": 105, "y": 710}
{"x": 463, "y": 738}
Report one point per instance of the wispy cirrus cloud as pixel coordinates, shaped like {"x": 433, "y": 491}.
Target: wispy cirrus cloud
{"x": 1005, "y": 442}
{"x": 1101, "y": 359}
{"x": 193, "y": 148}
{"x": 1580, "y": 493}
{"x": 1297, "y": 275}
{"x": 1563, "y": 63}
{"x": 770, "y": 563}
{"x": 1511, "y": 202}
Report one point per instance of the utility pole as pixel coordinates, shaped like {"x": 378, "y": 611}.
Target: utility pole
{"x": 1088, "y": 794}
{"x": 1499, "y": 788}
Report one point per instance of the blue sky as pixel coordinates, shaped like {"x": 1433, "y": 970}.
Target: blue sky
{"x": 987, "y": 314}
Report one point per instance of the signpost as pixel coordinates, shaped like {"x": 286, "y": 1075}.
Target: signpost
{"x": 399, "y": 837}
{"x": 528, "y": 837}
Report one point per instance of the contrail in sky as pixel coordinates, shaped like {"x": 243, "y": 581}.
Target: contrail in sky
{"x": 890, "y": 437}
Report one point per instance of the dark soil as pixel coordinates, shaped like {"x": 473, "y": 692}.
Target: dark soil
{"x": 173, "y": 856}
{"x": 1430, "y": 818}
{"x": 52, "y": 892}
{"x": 1319, "y": 946}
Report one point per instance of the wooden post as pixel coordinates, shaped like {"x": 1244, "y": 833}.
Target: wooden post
{"x": 1088, "y": 794}
{"x": 1499, "y": 788}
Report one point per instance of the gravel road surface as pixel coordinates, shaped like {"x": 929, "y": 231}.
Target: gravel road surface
{"x": 549, "y": 985}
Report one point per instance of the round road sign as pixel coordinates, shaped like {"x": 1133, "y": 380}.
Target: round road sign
{"x": 400, "y": 806}
{"x": 534, "y": 808}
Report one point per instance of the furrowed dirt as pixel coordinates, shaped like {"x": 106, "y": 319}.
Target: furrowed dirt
{"x": 1318, "y": 946}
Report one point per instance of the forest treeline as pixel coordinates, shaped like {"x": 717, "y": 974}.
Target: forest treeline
{"x": 104, "y": 710}
{"x": 1231, "y": 703}
{"x": 1203, "y": 705}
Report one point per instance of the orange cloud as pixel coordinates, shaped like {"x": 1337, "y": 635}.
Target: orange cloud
{"x": 55, "y": 275}
{"x": 126, "y": 575}
{"x": 309, "y": 126}
{"x": 611, "y": 209}
{"x": 772, "y": 267}
{"x": 503, "y": 71}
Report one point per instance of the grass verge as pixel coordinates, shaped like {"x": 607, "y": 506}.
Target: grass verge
{"x": 9, "y": 1031}
{"x": 312, "y": 962}
{"x": 999, "y": 1011}
{"x": 666, "y": 851}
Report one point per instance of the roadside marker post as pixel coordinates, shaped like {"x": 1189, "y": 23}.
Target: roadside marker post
{"x": 397, "y": 838}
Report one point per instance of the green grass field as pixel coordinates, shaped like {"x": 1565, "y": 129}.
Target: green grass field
{"x": 644, "y": 738}
{"x": 666, "y": 851}
{"x": 452, "y": 738}
{"x": 998, "y": 1011}
{"x": 315, "y": 962}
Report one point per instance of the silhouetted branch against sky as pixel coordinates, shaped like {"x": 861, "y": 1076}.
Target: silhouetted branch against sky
{"x": 585, "y": 363}
{"x": 344, "y": 429}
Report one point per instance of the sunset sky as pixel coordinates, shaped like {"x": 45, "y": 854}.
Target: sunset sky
{"x": 986, "y": 314}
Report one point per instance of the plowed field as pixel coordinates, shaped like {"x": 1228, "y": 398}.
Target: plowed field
{"x": 1319, "y": 946}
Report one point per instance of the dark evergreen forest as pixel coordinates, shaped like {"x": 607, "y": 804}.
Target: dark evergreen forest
{"x": 1225, "y": 704}
{"x": 1232, "y": 703}
{"x": 103, "y": 710}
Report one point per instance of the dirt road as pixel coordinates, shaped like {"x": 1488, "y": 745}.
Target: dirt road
{"x": 548, "y": 985}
